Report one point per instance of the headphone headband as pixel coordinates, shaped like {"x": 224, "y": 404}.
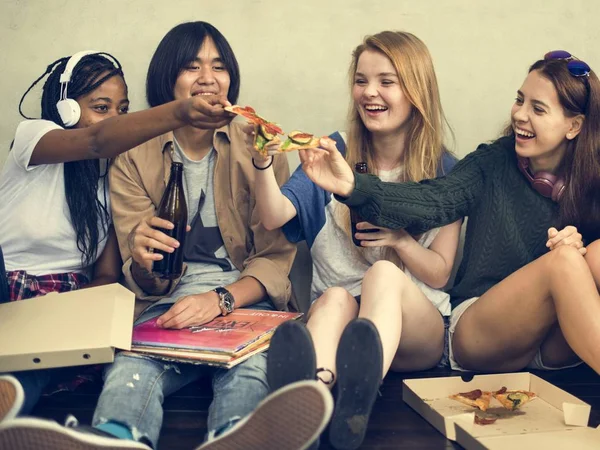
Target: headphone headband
{"x": 68, "y": 109}
{"x": 72, "y": 62}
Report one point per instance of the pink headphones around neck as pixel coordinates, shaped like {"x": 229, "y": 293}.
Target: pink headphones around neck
{"x": 545, "y": 183}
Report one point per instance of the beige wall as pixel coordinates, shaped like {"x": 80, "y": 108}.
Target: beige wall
{"x": 294, "y": 54}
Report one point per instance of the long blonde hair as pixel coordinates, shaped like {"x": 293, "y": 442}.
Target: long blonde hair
{"x": 425, "y": 132}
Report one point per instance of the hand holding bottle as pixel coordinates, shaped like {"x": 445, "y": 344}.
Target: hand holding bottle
{"x": 146, "y": 237}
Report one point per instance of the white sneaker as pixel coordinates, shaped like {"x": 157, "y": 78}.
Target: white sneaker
{"x": 11, "y": 397}
{"x": 291, "y": 418}
{"x": 34, "y": 434}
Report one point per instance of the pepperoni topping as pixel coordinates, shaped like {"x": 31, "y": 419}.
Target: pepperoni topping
{"x": 473, "y": 395}
{"x": 272, "y": 128}
{"x": 501, "y": 391}
{"x": 249, "y": 113}
{"x": 485, "y": 420}
{"x": 302, "y": 136}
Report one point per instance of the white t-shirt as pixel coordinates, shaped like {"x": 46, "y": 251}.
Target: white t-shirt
{"x": 336, "y": 260}
{"x": 36, "y": 234}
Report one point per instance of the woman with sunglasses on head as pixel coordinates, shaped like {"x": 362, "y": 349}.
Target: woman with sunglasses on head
{"x": 526, "y": 293}
{"x": 56, "y": 230}
{"x": 379, "y": 305}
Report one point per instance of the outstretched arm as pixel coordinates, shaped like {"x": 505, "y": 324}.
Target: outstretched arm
{"x": 417, "y": 207}
{"x": 113, "y": 136}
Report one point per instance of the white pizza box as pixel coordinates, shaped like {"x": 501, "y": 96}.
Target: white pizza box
{"x": 67, "y": 329}
{"x": 549, "y": 421}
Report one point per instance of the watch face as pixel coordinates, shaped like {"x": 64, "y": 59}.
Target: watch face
{"x": 228, "y": 302}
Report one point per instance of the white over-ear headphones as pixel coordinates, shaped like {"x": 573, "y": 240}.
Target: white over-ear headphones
{"x": 68, "y": 109}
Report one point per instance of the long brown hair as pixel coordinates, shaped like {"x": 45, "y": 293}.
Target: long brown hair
{"x": 425, "y": 135}
{"x": 580, "y": 167}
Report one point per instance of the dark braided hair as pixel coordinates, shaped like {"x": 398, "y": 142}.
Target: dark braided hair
{"x": 81, "y": 177}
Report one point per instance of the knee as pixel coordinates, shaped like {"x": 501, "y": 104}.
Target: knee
{"x": 592, "y": 259}
{"x": 336, "y": 298}
{"x": 564, "y": 259}
{"x": 386, "y": 273}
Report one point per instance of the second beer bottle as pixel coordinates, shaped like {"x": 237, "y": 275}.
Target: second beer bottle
{"x": 360, "y": 167}
{"x": 174, "y": 209}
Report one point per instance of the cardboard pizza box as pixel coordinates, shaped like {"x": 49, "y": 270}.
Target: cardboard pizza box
{"x": 68, "y": 329}
{"x": 550, "y": 420}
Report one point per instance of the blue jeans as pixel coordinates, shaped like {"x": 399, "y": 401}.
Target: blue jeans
{"x": 34, "y": 382}
{"x": 135, "y": 387}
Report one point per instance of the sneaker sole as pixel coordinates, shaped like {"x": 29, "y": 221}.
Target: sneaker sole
{"x": 291, "y": 418}
{"x": 291, "y": 356}
{"x": 35, "y": 434}
{"x": 359, "y": 363}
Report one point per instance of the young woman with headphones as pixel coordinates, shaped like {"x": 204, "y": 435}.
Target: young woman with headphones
{"x": 55, "y": 221}
{"x": 526, "y": 294}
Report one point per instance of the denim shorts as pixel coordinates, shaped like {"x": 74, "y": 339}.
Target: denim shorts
{"x": 445, "y": 360}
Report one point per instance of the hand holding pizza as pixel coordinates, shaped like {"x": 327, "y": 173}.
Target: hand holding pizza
{"x": 567, "y": 236}
{"x": 327, "y": 168}
{"x": 205, "y": 112}
{"x": 261, "y": 157}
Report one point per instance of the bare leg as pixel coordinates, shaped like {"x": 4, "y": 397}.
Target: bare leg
{"x": 503, "y": 330}
{"x": 592, "y": 257}
{"x": 410, "y": 327}
{"x": 327, "y": 318}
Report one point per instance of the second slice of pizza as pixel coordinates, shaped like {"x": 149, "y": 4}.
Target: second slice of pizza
{"x": 511, "y": 399}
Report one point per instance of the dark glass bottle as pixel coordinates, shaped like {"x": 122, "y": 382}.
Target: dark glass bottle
{"x": 174, "y": 209}
{"x": 360, "y": 167}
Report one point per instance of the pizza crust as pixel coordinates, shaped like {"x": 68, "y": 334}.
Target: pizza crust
{"x": 477, "y": 399}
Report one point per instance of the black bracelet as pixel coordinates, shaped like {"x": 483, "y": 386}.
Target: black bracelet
{"x": 262, "y": 168}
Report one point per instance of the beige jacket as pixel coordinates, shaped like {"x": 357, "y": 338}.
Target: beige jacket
{"x": 138, "y": 179}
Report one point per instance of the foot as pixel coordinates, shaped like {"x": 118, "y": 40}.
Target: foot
{"x": 290, "y": 418}
{"x": 359, "y": 363}
{"x": 33, "y": 434}
{"x": 11, "y": 397}
{"x": 291, "y": 356}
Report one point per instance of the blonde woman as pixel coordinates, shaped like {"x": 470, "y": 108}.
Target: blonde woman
{"x": 380, "y": 305}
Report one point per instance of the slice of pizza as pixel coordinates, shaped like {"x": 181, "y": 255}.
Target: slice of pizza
{"x": 298, "y": 140}
{"x": 265, "y": 132}
{"x": 476, "y": 398}
{"x": 511, "y": 399}
{"x": 262, "y": 137}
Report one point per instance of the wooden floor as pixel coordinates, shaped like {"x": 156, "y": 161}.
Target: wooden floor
{"x": 393, "y": 424}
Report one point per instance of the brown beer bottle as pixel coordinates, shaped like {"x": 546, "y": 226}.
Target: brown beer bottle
{"x": 174, "y": 209}
{"x": 360, "y": 167}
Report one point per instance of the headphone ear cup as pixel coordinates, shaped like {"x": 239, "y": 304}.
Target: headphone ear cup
{"x": 558, "y": 190}
{"x": 544, "y": 183}
{"x": 69, "y": 111}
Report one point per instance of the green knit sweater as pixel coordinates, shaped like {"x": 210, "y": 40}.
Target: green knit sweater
{"x": 507, "y": 222}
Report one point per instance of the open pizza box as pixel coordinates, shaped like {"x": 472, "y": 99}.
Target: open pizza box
{"x": 68, "y": 329}
{"x": 553, "y": 420}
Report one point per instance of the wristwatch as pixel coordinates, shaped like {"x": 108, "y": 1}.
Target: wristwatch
{"x": 226, "y": 300}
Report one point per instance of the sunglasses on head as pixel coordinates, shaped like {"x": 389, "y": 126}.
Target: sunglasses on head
{"x": 576, "y": 67}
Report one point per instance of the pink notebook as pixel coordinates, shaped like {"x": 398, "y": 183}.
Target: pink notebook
{"x": 225, "y": 334}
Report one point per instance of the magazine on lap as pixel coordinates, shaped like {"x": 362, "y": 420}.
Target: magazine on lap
{"x": 222, "y": 339}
